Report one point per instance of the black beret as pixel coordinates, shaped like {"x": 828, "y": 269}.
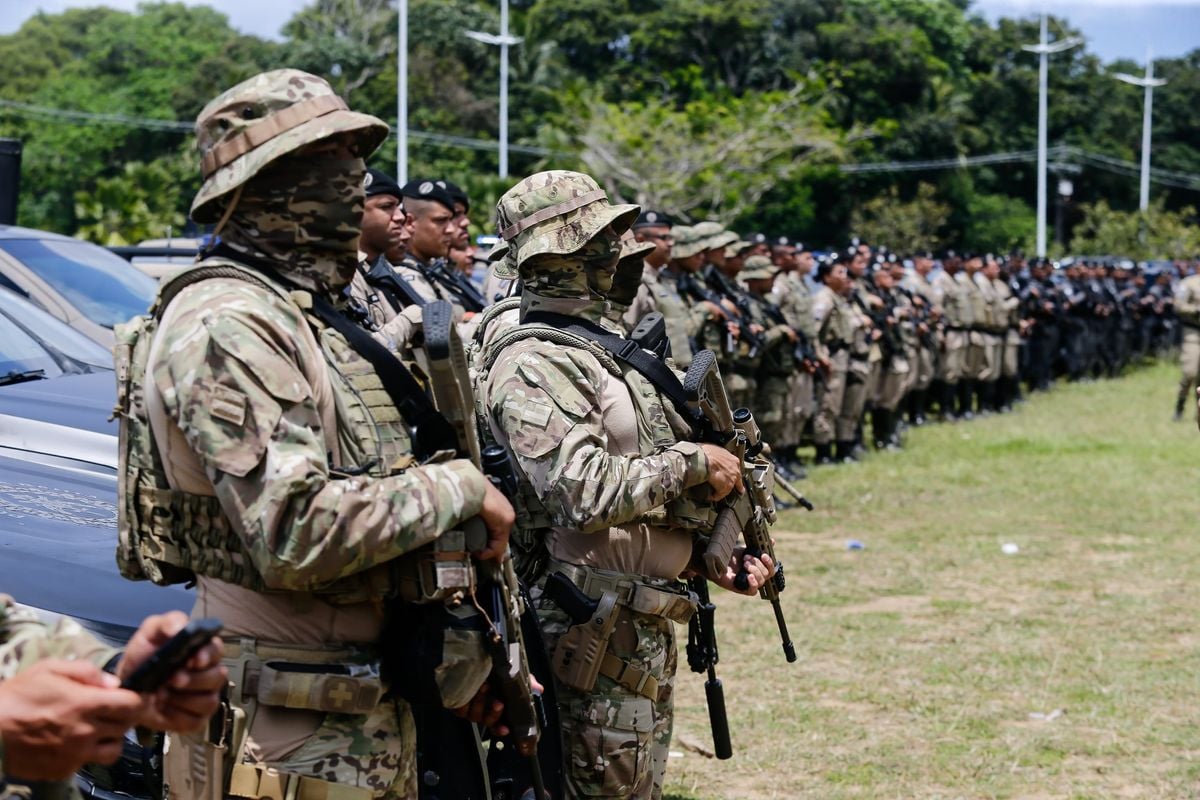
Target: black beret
{"x": 652, "y": 219}
{"x": 781, "y": 241}
{"x": 757, "y": 238}
{"x": 423, "y": 189}
{"x": 456, "y": 193}
{"x": 377, "y": 182}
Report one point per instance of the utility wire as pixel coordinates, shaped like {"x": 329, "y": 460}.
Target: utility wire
{"x": 1180, "y": 180}
{"x": 176, "y": 126}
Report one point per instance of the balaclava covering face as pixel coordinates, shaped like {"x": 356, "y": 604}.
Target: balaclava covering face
{"x": 305, "y": 215}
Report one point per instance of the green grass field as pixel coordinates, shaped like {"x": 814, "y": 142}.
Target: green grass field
{"x": 932, "y": 664}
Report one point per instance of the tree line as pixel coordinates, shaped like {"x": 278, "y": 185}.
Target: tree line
{"x": 737, "y": 110}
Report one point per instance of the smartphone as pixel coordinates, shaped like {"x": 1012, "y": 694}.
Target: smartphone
{"x": 170, "y": 657}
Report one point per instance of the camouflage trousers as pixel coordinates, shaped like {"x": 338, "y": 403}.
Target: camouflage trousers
{"x": 615, "y": 741}
{"x": 375, "y": 751}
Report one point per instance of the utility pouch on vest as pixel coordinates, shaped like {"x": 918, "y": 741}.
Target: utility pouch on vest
{"x": 334, "y": 688}
{"x": 581, "y": 650}
{"x": 443, "y": 569}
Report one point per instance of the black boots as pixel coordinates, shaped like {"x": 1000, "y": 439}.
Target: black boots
{"x": 966, "y": 393}
{"x": 845, "y": 451}
{"x": 824, "y": 454}
{"x": 1179, "y": 403}
{"x": 916, "y": 407}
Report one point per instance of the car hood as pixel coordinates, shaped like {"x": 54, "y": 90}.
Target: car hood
{"x": 76, "y": 401}
{"x": 58, "y": 540}
{"x": 63, "y": 421}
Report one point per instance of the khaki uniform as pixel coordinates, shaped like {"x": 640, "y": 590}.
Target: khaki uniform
{"x": 863, "y": 369}
{"x": 835, "y": 335}
{"x": 1011, "y": 316}
{"x": 1187, "y": 308}
{"x": 925, "y": 367}
{"x": 957, "y": 319}
{"x": 663, "y": 293}
{"x": 267, "y": 427}
{"x": 796, "y": 301}
{"x": 990, "y": 323}
{"x": 977, "y": 364}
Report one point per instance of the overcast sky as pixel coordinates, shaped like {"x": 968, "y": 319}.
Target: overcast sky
{"x": 1114, "y": 28}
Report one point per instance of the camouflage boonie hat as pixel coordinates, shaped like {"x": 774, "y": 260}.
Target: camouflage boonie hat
{"x": 555, "y": 212}
{"x": 714, "y": 235}
{"x": 269, "y": 116}
{"x": 687, "y": 243}
{"x": 758, "y": 268}
{"x": 737, "y": 248}
{"x": 632, "y": 248}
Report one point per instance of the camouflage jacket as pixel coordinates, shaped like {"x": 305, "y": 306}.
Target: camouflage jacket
{"x": 267, "y": 403}
{"x": 24, "y": 640}
{"x": 552, "y": 405}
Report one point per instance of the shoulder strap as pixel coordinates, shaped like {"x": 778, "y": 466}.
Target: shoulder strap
{"x": 175, "y": 284}
{"x": 400, "y": 292}
{"x": 430, "y": 430}
{"x": 627, "y": 352}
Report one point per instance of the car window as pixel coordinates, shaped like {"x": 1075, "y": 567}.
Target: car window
{"x": 102, "y": 286}
{"x": 20, "y": 352}
{"x": 53, "y": 333}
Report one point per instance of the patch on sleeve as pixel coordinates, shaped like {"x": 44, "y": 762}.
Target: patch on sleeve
{"x": 229, "y": 405}
{"x": 536, "y": 413}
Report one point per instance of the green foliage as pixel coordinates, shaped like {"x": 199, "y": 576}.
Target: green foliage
{"x": 904, "y": 226}
{"x": 139, "y": 203}
{"x": 1155, "y": 233}
{"x": 708, "y": 160}
{"x": 999, "y": 224}
{"x": 736, "y": 109}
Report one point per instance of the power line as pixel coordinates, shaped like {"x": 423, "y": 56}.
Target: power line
{"x": 177, "y": 126}
{"x": 1165, "y": 177}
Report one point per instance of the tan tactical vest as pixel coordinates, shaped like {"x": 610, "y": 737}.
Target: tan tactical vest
{"x": 657, "y": 424}
{"x": 168, "y": 536}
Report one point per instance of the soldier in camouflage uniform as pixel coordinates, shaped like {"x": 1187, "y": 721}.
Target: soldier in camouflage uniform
{"x": 778, "y": 363}
{"x": 600, "y": 457}
{"x": 263, "y": 458}
{"x": 60, "y": 708}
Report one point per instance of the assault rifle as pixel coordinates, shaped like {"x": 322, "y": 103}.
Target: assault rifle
{"x": 748, "y": 514}
{"x": 500, "y": 606}
{"x": 689, "y": 285}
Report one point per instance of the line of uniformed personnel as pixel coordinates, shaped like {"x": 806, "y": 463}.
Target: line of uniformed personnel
{"x": 289, "y": 444}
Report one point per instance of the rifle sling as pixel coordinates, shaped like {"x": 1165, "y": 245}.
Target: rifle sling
{"x": 627, "y": 352}
{"x": 430, "y": 430}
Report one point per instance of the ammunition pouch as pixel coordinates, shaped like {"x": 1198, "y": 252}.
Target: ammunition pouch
{"x": 443, "y": 570}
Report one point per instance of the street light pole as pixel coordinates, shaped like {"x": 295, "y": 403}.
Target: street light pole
{"x": 402, "y": 94}
{"x": 504, "y": 41}
{"x": 1044, "y": 48}
{"x": 1148, "y": 83}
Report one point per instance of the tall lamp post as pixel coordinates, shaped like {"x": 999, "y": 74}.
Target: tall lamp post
{"x": 1044, "y": 48}
{"x": 1148, "y": 82}
{"x": 504, "y": 41}
{"x": 402, "y": 94}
